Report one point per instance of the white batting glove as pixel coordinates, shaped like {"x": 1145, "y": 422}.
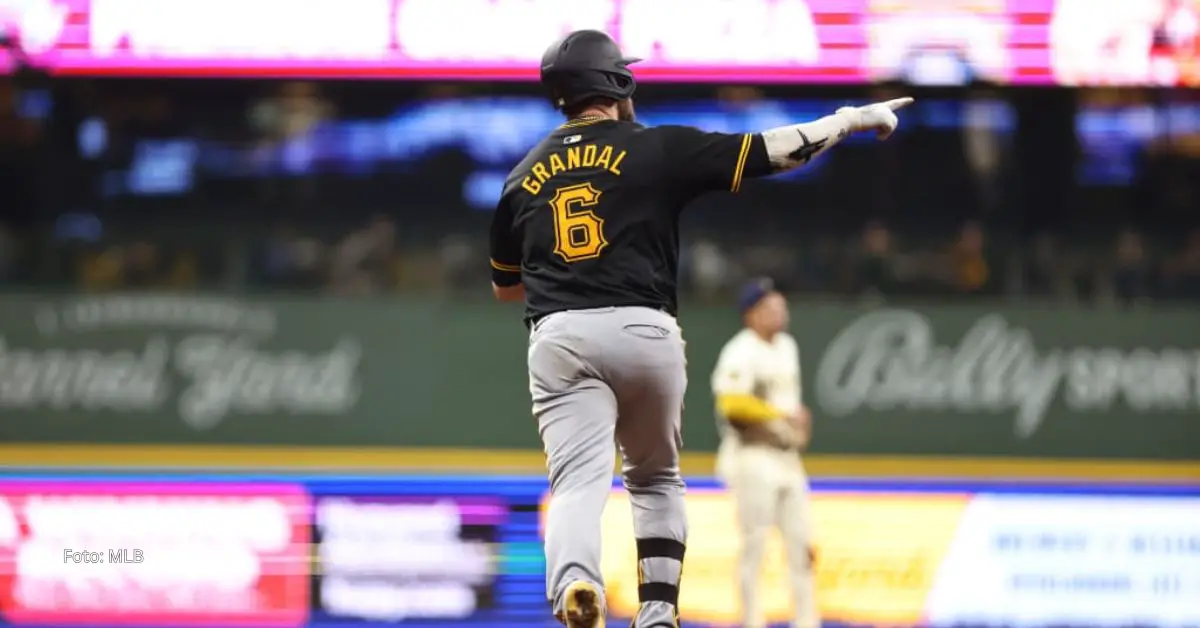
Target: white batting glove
{"x": 879, "y": 117}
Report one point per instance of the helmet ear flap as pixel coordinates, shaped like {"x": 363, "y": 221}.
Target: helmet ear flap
{"x": 621, "y": 82}
{"x": 570, "y": 88}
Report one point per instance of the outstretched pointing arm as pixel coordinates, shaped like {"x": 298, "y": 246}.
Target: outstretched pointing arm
{"x": 700, "y": 162}
{"x": 791, "y": 147}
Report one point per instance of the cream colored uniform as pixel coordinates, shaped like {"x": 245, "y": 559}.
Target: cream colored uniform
{"x": 768, "y": 483}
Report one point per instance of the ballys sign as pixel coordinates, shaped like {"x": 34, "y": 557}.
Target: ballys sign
{"x": 201, "y": 359}
{"x": 902, "y": 360}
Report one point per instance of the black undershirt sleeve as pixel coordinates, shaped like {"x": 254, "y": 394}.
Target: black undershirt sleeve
{"x": 504, "y": 247}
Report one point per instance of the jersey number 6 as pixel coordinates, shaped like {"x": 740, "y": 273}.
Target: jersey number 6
{"x": 578, "y": 231}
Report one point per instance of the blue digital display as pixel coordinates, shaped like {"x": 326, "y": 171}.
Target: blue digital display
{"x": 492, "y": 133}
{"x": 1113, "y": 140}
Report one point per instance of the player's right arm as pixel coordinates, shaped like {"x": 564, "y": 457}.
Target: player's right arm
{"x": 505, "y": 255}
{"x": 733, "y": 387}
{"x": 702, "y": 161}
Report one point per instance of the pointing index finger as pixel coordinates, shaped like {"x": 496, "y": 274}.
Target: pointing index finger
{"x": 898, "y": 103}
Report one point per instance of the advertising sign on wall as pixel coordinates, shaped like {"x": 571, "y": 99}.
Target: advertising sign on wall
{"x": 151, "y": 370}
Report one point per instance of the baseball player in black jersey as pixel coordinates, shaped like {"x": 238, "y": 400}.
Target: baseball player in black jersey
{"x": 586, "y": 234}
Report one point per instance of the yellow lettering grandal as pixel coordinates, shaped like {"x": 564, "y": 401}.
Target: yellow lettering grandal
{"x": 539, "y": 171}
{"x": 604, "y": 157}
{"x": 615, "y": 168}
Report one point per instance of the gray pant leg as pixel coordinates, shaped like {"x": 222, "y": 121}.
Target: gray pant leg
{"x": 648, "y": 372}
{"x": 576, "y": 413}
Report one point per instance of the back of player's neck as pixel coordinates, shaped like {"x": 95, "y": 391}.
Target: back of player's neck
{"x": 591, "y": 114}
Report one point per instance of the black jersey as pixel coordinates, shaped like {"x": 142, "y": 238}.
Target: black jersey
{"x": 590, "y": 217}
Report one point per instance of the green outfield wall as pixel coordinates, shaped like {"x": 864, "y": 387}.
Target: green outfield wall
{"x": 393, "y": 372}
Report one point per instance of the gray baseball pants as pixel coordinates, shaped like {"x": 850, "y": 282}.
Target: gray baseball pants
{"x": 595, "y": 376}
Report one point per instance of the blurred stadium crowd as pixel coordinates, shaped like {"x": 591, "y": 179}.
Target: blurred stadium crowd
{"x": 934, "y": 214}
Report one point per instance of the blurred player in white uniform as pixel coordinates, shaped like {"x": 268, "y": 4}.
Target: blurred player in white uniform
{"x": 764, "y": 427}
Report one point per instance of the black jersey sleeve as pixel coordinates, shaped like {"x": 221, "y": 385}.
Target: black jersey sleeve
{"x": 504, "y": 247}
{"x": 702, "y": 161}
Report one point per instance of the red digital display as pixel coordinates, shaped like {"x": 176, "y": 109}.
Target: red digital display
{"x": 168, "y": 554}
{"x": 751, "y": 41}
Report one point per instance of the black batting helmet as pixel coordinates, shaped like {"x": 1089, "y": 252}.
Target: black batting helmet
{"x": 586, "y": 64}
